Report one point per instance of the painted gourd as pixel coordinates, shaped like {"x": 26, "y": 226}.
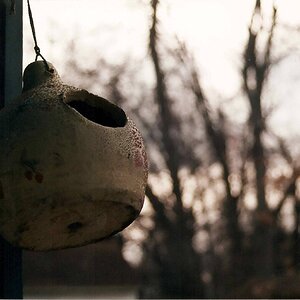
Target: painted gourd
{"x": 73, "y": 167}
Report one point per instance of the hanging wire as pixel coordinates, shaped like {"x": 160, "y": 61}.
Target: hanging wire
{"x": 36, "y": 47}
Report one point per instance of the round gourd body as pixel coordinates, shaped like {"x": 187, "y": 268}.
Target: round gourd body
{"x": 73, "y": 168}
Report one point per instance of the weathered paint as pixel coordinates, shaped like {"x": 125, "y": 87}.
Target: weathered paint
{"x": 67, "y": 179}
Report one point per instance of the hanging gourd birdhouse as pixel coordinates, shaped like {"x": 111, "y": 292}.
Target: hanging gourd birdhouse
{"x": 73, "y": 167}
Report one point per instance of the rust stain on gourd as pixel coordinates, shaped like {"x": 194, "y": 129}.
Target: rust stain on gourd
{"x": 39, "y": 177}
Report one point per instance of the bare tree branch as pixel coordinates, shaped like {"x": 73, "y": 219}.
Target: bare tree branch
{"x": 289, "y": 190}
{"x": 155, "y": 202}
{"x": 252, "y": 71}
{"x": 166, "y": 115}
{"x": 216, "y": 135}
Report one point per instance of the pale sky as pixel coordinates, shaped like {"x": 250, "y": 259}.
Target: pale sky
{"x": 215, "y": 30}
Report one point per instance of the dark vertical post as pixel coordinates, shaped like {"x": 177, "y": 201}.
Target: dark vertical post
{"x": 2, "y": 51}
{"x": 11, "y": 49}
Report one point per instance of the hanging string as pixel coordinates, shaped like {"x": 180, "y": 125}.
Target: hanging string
{"x": 36, "y": 47}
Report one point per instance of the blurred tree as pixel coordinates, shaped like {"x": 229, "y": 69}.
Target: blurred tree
{"x": 172, "y": 266}
{"x": 245, "y": 254}
{"x": 199, "y": 237}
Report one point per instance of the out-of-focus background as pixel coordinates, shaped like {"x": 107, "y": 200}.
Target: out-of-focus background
{"x": 214, "y": 87}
